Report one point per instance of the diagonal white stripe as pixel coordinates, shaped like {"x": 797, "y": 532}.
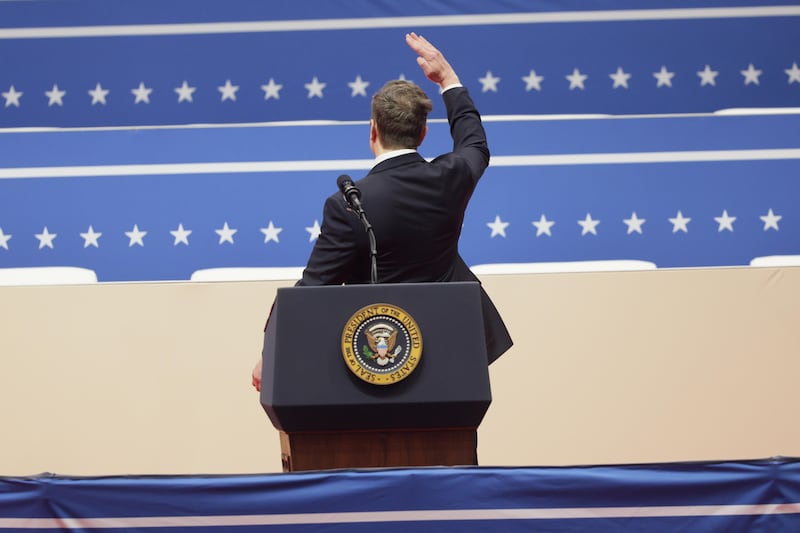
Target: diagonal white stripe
{"x": 365, "y": 164}
{"x": 464, "y": 515}
{"x": 397, "y": 22}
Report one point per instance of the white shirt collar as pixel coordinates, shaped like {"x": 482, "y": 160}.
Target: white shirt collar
{"x": 394, "y": 153}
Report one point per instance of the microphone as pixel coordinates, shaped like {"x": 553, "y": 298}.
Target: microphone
{"x": 350, "y": 192}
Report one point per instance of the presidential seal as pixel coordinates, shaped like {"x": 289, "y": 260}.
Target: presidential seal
{"x": 381, "y": 344}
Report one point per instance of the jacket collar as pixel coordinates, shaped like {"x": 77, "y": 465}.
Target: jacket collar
{"x": 397, "y": 161}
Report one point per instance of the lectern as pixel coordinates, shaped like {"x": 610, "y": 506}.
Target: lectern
{"x": 335, "y": 406}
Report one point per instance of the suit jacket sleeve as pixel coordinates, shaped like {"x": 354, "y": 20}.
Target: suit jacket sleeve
{"x": 466, "y": 129}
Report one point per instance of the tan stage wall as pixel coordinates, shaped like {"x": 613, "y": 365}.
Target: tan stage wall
{"x": 615, "y": 367}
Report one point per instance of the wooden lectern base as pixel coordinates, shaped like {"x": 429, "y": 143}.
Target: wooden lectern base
{"x": 374, "y": 449}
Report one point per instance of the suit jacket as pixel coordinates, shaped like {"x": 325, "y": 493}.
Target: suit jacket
{"x": 416, "y": 209}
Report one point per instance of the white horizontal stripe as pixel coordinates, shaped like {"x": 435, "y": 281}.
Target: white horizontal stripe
{"x": 644, "y": 157}
{"x": 484, "y": 118}
{"x": 185, "y": 168}
{"x": 239, "y": 125}
{"x": 461, "y": 515}
{"x": 366, "y": 164}
{"x": 396, "y": 22}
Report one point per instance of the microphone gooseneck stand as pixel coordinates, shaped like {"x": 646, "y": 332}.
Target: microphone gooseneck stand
{"x": 373, "y": 247}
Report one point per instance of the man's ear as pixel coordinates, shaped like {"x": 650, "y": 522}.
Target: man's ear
{"x": 422, "y": 136}
{"x": 373, "y": 131}
{"x": 374, "y": 142}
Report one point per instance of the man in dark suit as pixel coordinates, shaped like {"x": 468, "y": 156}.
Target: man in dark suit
{"x": 416, "y": 207}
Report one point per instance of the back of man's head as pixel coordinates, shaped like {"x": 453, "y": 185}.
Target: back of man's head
{"x": 400, "y": 111}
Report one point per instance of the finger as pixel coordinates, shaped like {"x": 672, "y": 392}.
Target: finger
{"x": 414, "y": 43}
{"x": 420, "y": 45}
{"x": 426, "y": 45}
{"x": 426, "y": 67}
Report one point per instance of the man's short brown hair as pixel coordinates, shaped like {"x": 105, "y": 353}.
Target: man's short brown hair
{"x": 400, "y": 111}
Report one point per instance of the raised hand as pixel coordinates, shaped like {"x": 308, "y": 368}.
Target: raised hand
{"x": 432, "y": 61}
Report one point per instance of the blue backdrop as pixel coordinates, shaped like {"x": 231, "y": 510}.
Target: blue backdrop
{"x": 254, "y": 144}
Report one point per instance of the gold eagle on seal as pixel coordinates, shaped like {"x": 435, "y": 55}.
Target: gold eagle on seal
{"x": 382, "y": 339}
